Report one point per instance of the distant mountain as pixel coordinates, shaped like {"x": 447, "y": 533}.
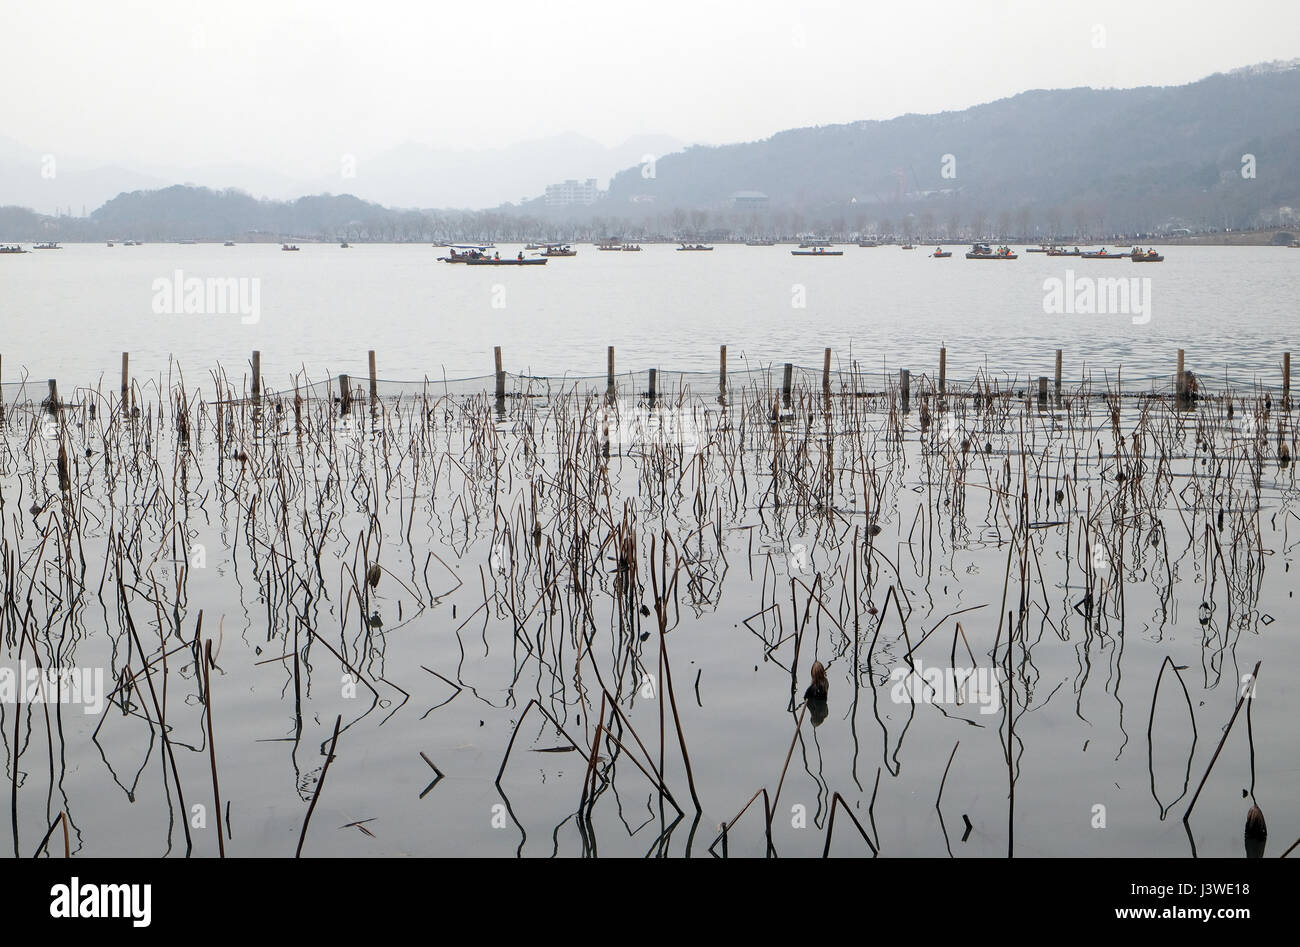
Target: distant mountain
{"x": 189, "y": 212}
{"x": 62, "y": 183}
{"x": 199, "y": 213}
{"x": 1050, "y": 161}
{"x": 1220, "y": 153}
{"x": 414, "y": 175}
{"x": 411, "y": 175}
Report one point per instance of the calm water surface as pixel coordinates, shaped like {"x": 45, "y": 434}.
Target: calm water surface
{"x": 1084, "y": 684}
{"x": 71, "y": 312}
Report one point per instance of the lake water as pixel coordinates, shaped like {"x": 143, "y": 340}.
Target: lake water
{"x": 71, "y": 312}
{"x": 1117, "y": 541}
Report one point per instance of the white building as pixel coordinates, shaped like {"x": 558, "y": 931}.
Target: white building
{"x": 572, "y": 192}
{"x": 749, "y": 200}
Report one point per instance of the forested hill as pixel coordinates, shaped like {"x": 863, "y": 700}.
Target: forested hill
{"x": 1118, "y": 159}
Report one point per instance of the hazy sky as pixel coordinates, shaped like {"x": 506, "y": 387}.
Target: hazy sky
{"x": 294, "y": 85}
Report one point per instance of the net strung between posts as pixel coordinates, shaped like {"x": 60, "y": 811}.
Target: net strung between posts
{"x": 671, "y": 386}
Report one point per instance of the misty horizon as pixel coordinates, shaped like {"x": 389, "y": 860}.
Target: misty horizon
{"x": 336, "y": 99}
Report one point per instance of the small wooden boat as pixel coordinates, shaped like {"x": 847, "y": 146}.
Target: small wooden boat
{"x": 817, "y": 251}
{"x": 940, "y": 253}
{"x": 46, "y": 246}
{"x": 515, "y": 261}
{"x": 1102, "y": 254}
{"x": 760, "y": 243}
{"x": 868, "y": 243}
{"x": 131, "y": 243}
{"x": 810, "y": 244}
{"x": 609, "y": 246}
{"x": 560, "y": 250}
{"x": 694, "y": 247}
{"x": 1061, "y": 251}
{"x": 188, "y": 243}
{"x": 1138, "y": 255}
{"x": 109, "y": 243}
{"x": 229, "y": 243}
{"x": 908, "y": 246}
{"x": 982, "y": 251}
{"x": 289, "y": 246}
{"x": 344, "y": 245}
{"x": 12, "y": 248}
{"x": 1041, "y": 248}
{"x": 466, "y": 255}
{"x": 632, "y": 247}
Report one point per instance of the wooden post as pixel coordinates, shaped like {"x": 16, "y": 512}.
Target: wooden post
{"x": 905, "y": 384}
{"x": 1180, "y": 380}
{"x": 126, "y": 376}
{"x": 1058, "y": 374}
{"x": 374, "y": 379}
{"x": 609, "y": 372}
{"x": 1042, "y": 391}
{"x": 54, "y": 394}
{"x": 257, "y": 376}
{"x": 653, "y": 373}
{"x": 786, "y": 384}
{"x": 826, "y": 371}
{"x": 943, "y": 370}
{"x": 501, "y": 375}
{"x": 722, "y": 372}
{"x": 345, "y": 395}
{"x": 1286, "y": 379}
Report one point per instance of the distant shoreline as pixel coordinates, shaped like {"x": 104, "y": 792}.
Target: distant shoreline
{"x": 1237, "y": 238}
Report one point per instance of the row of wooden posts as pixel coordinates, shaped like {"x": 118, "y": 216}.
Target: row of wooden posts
{"x": 904, "y": 377}
{"x": 1182, "y": 387}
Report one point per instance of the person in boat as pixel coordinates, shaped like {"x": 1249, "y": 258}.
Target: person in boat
{"x": 521, "y": 255}
{"x": 497, "y": 255}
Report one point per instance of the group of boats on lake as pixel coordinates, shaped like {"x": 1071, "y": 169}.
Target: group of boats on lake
{"x": 18, "y": 248}
{"x": 982, "y": 251}
{"x": 486, "y": 255}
